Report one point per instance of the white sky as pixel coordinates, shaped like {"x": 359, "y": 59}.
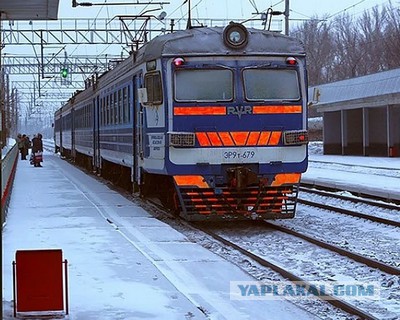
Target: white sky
{"x": 226, "y": 9}
{"x": 217, "y": 9}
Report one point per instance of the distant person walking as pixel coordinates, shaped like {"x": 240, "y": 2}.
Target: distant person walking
{"x": 28, "y": 145}
{"x": 37, "y": 150}
{"x": 22, "y": 145}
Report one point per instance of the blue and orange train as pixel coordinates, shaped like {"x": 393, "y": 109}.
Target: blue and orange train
{"x": 212, "y": 120}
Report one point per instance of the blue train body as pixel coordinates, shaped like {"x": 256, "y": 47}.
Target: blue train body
{"x": 211, "y": 120}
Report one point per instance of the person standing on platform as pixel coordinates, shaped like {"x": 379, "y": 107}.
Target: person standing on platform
{"x": 21, "y": 140}
{"x": 37, "y": 150}
{"x": 18, "y": 140}
{"x": 21, "y": 145}
{"x": 28, "y": 145}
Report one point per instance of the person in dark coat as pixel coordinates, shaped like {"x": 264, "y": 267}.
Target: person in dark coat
{"x": 22, "y": 146}
{"x": 28, "y": 145}
{"x": 37, "y": 150}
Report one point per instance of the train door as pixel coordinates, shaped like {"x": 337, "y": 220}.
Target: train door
{"x": 61, "y": 131}
{"x": 96, "y": 130}
{"x": 138, "y": 148}
{"x": 73, "y": 153}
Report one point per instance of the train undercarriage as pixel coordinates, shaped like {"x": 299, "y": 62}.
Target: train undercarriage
{"x": 245, "y": 195}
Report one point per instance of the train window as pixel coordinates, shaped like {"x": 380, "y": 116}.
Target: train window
{"x": 111, "y": 108}
{"x": 203, "y": 85}
{"x": 116, "y": 117}
{"x": 102, "y": 111}
{"x": 105, "y": 111}
{"x": 271, "y": 84}
{"x": 125, "y": 104}
{"x": 152, "y": 82}
{"x": 129, "y": 104}
{"x": 108, "y": 110}
{"x": 120, "y": 107}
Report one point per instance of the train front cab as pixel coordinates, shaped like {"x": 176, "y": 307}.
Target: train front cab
{"x": 238, "y": 136}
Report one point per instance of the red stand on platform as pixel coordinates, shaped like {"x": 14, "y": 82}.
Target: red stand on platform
{"x": 38, "y": 283}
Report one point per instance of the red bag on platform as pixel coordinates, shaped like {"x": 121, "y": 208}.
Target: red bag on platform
{"x": 38, "y": 156}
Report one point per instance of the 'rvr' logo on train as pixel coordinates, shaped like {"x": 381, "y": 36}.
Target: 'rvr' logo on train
{"x": 240, "y": 110}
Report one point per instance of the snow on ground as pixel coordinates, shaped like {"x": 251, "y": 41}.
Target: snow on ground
{"x": 108, "y": 281}
{"x": 123, "y": 263}
{"x": 314, "y": 264}
{"x": 357, "y": 174}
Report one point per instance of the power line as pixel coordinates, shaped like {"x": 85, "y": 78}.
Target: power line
{"x": 344, "y": 10}
{"x": 253, "y": 3}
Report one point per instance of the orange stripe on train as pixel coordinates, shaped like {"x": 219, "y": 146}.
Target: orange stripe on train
{"x": 198, "y": 181}
{"x": 222, "y": 110}
{"x": 199, "y": 111}
{"x": 286, "y": 178}
{"x": 276, "y": 109}
{"x": 239, "y": 138}
{"x": 214, "y": 139}
{"x": 203, "y": 139}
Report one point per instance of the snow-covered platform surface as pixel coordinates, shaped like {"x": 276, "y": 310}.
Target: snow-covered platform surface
{"x": 377, "y": 176}
{"x": 122, "y": 262}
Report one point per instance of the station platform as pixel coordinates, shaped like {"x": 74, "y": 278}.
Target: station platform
{"x": 375, "y": 176}
{"x": 122, "y": 262}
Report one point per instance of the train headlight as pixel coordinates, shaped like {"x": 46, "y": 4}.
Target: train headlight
{"x": 295, "y": 137}
{"x": 235, "y": 35}
{"x": 181, "y": 139}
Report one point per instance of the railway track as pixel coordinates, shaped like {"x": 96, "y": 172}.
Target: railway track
{"x": 333, "y": 300}
{"x": 352, "y": 255}
{"x": 375, "y": 206}
{"x": 381, "y": 202}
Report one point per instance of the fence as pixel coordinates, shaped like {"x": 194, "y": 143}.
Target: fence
{"x": 8, "y": 167}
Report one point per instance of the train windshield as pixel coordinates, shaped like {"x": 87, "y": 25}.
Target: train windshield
{"x": 271, "y": 84}
{"x": 203, "y": 85}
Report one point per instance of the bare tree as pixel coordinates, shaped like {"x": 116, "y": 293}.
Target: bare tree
{"x": 371, "y": 27}
{"x": 346, "y": 48}
{"x": 391, "y": 41}
{"x": 317, "y": 40}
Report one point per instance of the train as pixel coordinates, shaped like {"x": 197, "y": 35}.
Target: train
{"x": 212, "y": 121}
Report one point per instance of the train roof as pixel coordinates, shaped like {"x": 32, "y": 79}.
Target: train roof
{"x": 206, "y": 41}
{"x": 209, "y": 40}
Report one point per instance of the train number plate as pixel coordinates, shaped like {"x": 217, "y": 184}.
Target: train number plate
{"x": 243, "y": 154}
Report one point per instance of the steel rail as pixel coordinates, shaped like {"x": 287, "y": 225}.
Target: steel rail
{"x": 388, "y": 200}
{"x": 350, "y": 213}
{"x": 352, "y": 255}
{"x": 324, "y": 192}
{"x": 329, "y": 298}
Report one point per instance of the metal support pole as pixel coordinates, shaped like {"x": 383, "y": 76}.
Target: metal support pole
{"x": 1, "y": 156}
{"x": 41, "y": 54}
{"x": 287, "y": 17}
{"x": 66, "y": 286}
{"x": 14, "y": 291}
